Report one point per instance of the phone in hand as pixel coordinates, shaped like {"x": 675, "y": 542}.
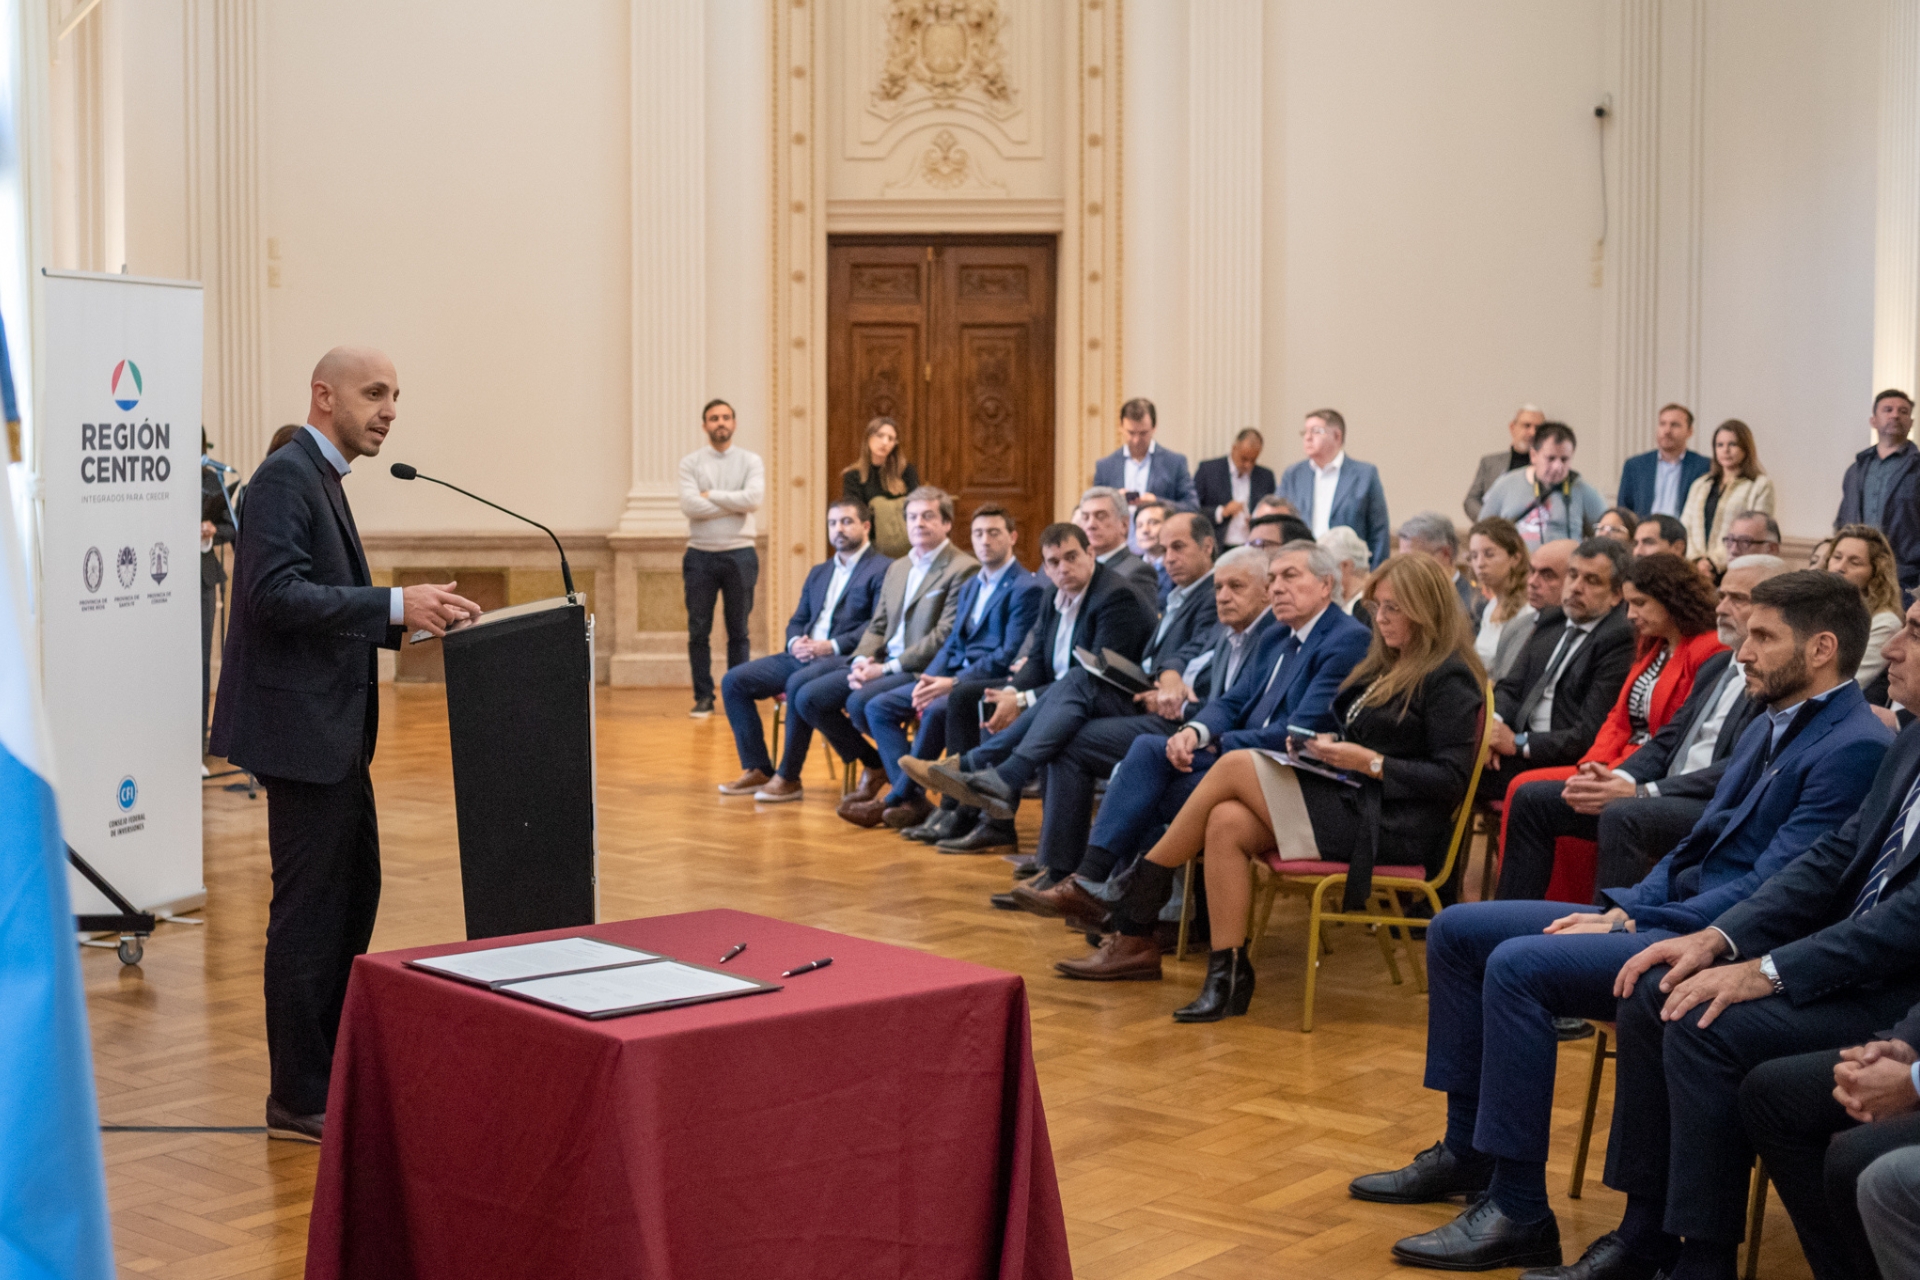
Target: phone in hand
{"x": 1133, "y": 496}
{"x": 1299, "y": 739}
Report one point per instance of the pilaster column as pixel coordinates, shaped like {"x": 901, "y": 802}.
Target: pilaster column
{"x": 1091, "y": 373}
{"x": 1632, "y": 244}
{"x": 1896, "y": 250}
{"x": 667, "y": 96}
{"x": 1225, "y": 112}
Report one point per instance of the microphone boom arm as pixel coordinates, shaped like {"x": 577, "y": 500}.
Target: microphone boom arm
{"x": 566, "y": 573}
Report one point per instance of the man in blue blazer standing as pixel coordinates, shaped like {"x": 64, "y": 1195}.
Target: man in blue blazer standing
{"x": 836, "y": 604}
{"x": 1140, "y": 468}
{"x": 1501, "y": 971}
{"x": 997, "y": 608}
{"x": 1655, "y": 483}
{"x": 1328, "y": 488}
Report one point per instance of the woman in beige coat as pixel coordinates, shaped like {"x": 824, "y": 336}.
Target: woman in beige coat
{"x": 1735, "y": 483}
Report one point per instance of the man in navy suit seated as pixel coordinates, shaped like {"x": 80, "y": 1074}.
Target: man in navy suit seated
{"x": 1291, "y": 679}
{"x": 1140, "y": 468}
{"x": 1328, "y": 488}
{"x": 835, "y": 606}
{"x": 1655, "y": 483}
{"x": 997, "y": 609}
{"x": 1228, "y": 488}
{"x": 1501, "y": 971}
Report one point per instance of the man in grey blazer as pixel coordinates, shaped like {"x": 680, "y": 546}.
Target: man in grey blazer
{"x": 919, "y": 603}
{"x": 1140, "y": 468}
{"x": 1328, "y": 488}
{"x": 1512, "y": 458}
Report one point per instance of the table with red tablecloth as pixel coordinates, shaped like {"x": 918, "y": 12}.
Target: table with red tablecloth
{"x": 879, "y": 1117}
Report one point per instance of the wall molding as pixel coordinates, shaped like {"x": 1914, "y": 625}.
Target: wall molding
{"x": 1091, "y": 363}
{"x": 976, "y": 216}
{"x": 1225, "y": 115}
{"x": 1896, "y": 250}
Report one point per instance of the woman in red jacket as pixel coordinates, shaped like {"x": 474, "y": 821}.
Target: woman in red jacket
{"x": 1672, "y": 608}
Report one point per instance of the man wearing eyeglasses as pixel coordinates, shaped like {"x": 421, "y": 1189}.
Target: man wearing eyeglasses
{"x": 1328, "y": 488}
{"x": 1751, "y": 533}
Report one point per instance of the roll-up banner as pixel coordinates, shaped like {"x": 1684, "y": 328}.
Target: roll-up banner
{"x": 119, "y": 462}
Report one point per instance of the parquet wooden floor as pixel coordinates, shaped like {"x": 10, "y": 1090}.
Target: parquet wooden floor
{"x": 1214, "y": 1152}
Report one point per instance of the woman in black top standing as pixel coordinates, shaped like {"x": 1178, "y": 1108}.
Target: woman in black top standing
{"x": 882, "y": 480}
{"x": 1409, "y": 716}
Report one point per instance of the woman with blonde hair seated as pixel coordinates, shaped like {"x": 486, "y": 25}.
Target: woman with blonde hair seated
{"x": 1409, "y": 716}
{"x": 1862, "y": 555}
{"x": 1734, "y": 483}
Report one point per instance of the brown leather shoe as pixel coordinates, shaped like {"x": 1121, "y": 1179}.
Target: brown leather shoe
{"x": 746, "y": 784}
{"x": 1064, "y": 899}
{"x": 1119, "y": 959}
{"x": 780, "y": 790}
{"x": 862, "y": 813}
{"x": 873, "y": 785}
{"x": 911, "y": 814}
{"x": 282, "y": 1123}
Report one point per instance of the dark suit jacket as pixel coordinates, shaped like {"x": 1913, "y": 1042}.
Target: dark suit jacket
{"x": 852, "y": 611}
{"x": 1185, "y": 633}
{"x": 213, "y": 507}
{"x": 1651, "y": 762}
{"x": 1138, "y": 574}
{"x": 1803, "y": 915}
{"x": 1167, "y": 476}
{"x": 1762, "y": 817}
{"x": 1359, "y": 502}
{"x": 1639, "y": 474}
{"x": 1204, "y": 683}
{"x": 1900, "y": 521}
{"x": 985, "y": 651}
{"x": 1113, "y": 616}
{"x": 1213, "y": 488}
{"x": 1308, "y": 684}
{"x": 1583, "y": 696}
{"x": 298, "y": 677}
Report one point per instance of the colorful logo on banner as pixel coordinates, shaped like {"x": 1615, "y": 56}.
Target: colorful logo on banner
{"x": 126, "y": 384}
{"x": 129, "y": 792}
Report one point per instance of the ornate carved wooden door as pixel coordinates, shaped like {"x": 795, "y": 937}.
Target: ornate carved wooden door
{"x": 952, "y": 337}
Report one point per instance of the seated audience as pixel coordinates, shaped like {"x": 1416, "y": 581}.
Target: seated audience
{"x": 836, "y": 603}
{"x": 1655, "y": 483}
{"x": 1727, "y": 1036}
{"x": 1275, "y": 523}
{"x": 1327, "y": 487}
{"x": 1291, "y": 679}
{"x": 1226, "y": 489}
{"x": 1617, "y": 523}
{"x": 991, "y": 776}
{"x": 1499, "y": 971}
{"x": 1432, "y": 535}
{"x": 1500, "y": 566}
{"x": 1515, "y": 456}
{"x": 1353, "y": 560}
{"x": 1861, "y": 555}
{"x": 1882, "y": 487}
{"x": 1549, "y": 708}
{"x": 996, "y": 610}
{"x": 1640, "y": 810}
{"x": 1547, "y": 574}
{"x": 1147, "y": 519}
{"x": 1140, "y": 469}
{"x": 1408, "y": 718}
{"x": 917, "y": 605}
{"x": 1753, "y": 533}
{"x": 1889, "y": 1189}
{"x": 1734, "y": 484}
{"x": 1672, "y": 612}
{"x": 1660, "y": 535}
{"x": 1241, "y": 597}
{"x": 1547, "y": 499}
{"x": 880, "y": 475}
{"x": 1103, "y": 514}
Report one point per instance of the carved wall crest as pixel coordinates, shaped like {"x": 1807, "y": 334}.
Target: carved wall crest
{"x": 945, "y": 162}
{"x": 945, "y": 47}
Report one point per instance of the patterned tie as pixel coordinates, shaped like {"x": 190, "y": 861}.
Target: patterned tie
{"x": 1270, "y": 701}
{"x": 1883, "y": 865}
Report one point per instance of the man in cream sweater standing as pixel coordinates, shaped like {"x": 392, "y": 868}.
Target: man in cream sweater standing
{"x": 720, "y": 489}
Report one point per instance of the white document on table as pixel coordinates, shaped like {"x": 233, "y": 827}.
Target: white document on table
{"x": 605, "y": 992}
{"x": 532, "y": 960}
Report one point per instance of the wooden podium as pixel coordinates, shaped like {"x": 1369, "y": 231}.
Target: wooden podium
{"x": 520, "y": 719}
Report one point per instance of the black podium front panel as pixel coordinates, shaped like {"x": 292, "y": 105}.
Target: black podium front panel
{"x": 520, "y": 716}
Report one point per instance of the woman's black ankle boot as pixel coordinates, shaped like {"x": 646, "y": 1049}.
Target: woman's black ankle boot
{"x": 1227, "y": 990}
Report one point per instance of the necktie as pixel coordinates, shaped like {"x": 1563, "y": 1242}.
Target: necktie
{"x": 1882, "y": 867}
{"x": 1270, "y": 700}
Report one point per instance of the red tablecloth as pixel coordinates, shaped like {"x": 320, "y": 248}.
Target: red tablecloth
{"x": 876, "y": 1118}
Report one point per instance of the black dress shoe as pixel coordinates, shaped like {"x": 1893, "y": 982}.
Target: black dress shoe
{"x": 1605, "y": 1259}
{"x": 284, "y": 1124}
{"x": 1483, "y": 1239}
{"x": 939, "y": 826}
{"x": 992, "y": 793}
{"x": 986, "y": 837}
{"x": 1027, "y": 870}
{"x": 1565, "y": 1029}
{"x": 1435, "y": 1174}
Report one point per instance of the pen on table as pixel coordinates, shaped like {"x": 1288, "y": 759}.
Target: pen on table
{"x": 733, "y": 951}
{"x": 808, "y": 967}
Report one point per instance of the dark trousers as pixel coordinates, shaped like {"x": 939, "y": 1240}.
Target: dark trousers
{"x": 1494, "y": 979}
{"x": 822, "y": 703}
{"x": 1628, "y": 832}
{"x": 710, "y": 574}
{"x": 1676, "y": 1111}
{"x": 1069, "y": 705}
{"x": 209, "y": 597}
{"x": 887, "y": 716}
{"x": 741, "y": 690}
{"x": 887, "y": 694}
{"x": 963, "y": 712}
{"x": 324, "y": 842}
{"x": 1815, "y": 1154}
{"x": 831, "y": 675}
{"x": 1088, "y": 757}
{"x": 1143, "y": 793}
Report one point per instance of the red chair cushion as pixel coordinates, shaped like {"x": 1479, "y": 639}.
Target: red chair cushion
{"x": 1576, "y": 865}
{"x": 1278, "y": 867}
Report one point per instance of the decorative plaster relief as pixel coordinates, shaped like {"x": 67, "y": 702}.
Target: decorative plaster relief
{"x": 944, "y": 166}
{"x": 945, "y": 47}
{"x": 917, "y": 64}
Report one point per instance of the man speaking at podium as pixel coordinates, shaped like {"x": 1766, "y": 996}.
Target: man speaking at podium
{"x": 299, "y": 705}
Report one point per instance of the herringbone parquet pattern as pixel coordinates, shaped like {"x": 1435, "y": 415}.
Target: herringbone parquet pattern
{"x": 1209, "y": 1152}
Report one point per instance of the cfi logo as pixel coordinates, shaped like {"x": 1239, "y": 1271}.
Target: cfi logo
{"x": 95, "y": 569}
{"x": 127, "y": 385}
{"x": 157, "y": 563}
{"x": 129, "y": 792}
{"x": 126, "y": 566}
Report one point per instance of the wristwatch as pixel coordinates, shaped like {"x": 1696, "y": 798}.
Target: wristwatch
{"x": 1376, "y": 764}
{"x": 1772, "y": 974}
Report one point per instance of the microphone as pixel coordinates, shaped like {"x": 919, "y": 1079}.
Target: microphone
{"x": 205, "y": 461}
{"x": 401, "y": 471}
